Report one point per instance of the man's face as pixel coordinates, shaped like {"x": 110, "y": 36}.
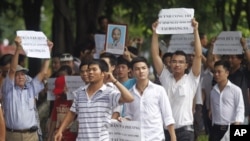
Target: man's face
{"x": 140, "y": 71}
{"x": 234, "y": 61}
{"x": 116, "y": 35}
{"x": 84, "y": 73}
{"x": 95, "y": 73}
{"x": 220, "y": 74}
{"x": 68, "y": 63}
{"x": 5, "y": 70}
{"x": 55, "y": 64}
{"x": 178, "y": 64}
{"x": 122, "y": 71}
{"x": 167, "y": 61}
{"x": 111, "y": 68}
{"x": 20, "y": 78}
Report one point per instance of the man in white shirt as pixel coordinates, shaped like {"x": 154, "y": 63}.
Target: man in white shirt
{"x": 151, "y": 106}
{"x": 180, "y": 87}
{"x": 227, "y": 105}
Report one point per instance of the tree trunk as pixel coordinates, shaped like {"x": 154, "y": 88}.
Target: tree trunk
{"x": 31, "y": 14}
{"x": 247, "y": 9}
{"x": 62, "y": 33}
{"x": 236, "y": 15}
{"x": 87, "y": 12}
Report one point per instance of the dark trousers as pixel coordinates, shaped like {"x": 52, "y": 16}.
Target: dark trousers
{"x": 182, "y": 134}
{"x": 217, "y": 132}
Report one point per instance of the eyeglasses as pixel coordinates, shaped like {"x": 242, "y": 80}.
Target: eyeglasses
{"x": 178, "y": 62}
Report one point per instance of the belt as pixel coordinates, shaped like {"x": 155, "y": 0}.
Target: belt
{"x": 30, "y": 130}
{"x": 185, "y": 128}
{"x": 220, "y": 127}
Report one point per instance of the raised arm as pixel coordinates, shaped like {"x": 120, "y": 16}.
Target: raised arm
{"x": 196, "y": 67}
{"x": 45, "y": 67}
{"x": 66, "y": 121}
{"x": 158, "y": 64}
{"x": 14, "y": 60}
{"x": 245, "y": 49}
{"x": 126, "y": 96}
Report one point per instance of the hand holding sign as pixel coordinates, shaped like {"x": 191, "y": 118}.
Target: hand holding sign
{"x": 34, "y": 44}
{"x": 175, "y": 21}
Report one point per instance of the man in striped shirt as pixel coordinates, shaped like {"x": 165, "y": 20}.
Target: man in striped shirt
{"x": 93, "y": 104}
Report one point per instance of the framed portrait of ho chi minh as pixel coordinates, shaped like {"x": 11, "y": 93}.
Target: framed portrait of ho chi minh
{"x": 116, "y": 38}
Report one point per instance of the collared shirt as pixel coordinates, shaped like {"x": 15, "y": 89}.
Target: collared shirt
{"x": 152, "y": 109}
{"x": 181, "y": 95}
{"x": 207, "y": 86}
{"x": 94, "y": 113}
{"x": 19, "y": 104}
{"x": 227, "y": 106}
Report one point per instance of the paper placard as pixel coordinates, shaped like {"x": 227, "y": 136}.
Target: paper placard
{"x": 99, "y": 44}
{"x": 125, "y": 131}
{"x": 34, "y": 43}
{"x": 73, "y": 83}
{"x": 175, "y": 21}
{"x": 51, "y": 86}
{"x": 181, "y": 42}
{"x": 228, "y": 42}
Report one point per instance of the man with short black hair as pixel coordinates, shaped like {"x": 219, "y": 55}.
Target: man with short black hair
{"x": 93, "y": 104}
{"x": 19, "y": 94}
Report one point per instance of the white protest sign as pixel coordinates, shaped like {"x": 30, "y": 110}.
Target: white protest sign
{"x": 248, "y": 43}
{"x": 175, "y": 21}
{"x": 99, "y": 44}
{"x": 228, "y": 42}
{"x": 181, "y": 42}
{"x": 34, "y": 43}
{"x": 73, "y": 83}
{"x": 51, "y": 86}
{"x": 125, "y": 131}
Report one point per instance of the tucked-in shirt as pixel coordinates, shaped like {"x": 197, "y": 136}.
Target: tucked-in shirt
{"x": 227, "y": 106}
{"x": 94, "y": 113}
{"x": 181, "y": 95}
{"x": 19, "y": 104}
{"x": 152, "y": 109}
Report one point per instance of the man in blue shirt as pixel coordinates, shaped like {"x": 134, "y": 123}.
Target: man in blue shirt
{"x": 19, "y": 94}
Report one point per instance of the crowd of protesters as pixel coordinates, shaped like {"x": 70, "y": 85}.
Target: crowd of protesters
{"x": 190, "y": 95}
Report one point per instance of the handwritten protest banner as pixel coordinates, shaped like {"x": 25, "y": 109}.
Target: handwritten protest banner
{"x": 175, "y": 21}
{"x": 124, "y": 131}
{"x": 181, "y": 42}
{"x": 228, "y": 42}
{"x": 73, "y": 83}
{"x": 248, "y": 43}
{"x": 99, "y": 44}
{"x": 34, "y": 43}
{"x": 51, "y": 86}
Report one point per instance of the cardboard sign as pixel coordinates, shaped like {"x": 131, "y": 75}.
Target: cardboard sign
{"x": 175, "y": 21}
{"x": 228, "y": 42}
{"x": 125, "y": 131}
{"x": 181, "y": 42}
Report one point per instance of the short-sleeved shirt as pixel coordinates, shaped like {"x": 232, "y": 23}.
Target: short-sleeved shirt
{"x": 181, "y": 95}
{"x": 152, "y": 109}
{"x": 227, "y": 106}
{"x": 19, "y": 104}
{"x": 94, "y": 113}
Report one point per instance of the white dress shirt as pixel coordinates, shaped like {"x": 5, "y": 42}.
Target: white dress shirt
{"x": 181, "y": 95}
{"x": 152, "y": 109}
{"x": 227, "y": 106}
